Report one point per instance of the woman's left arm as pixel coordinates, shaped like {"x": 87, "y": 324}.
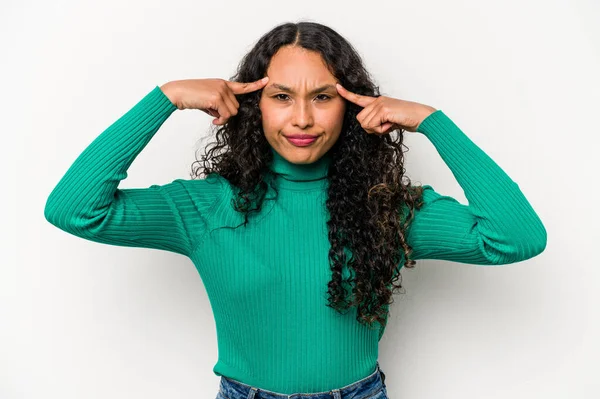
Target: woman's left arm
{"x": 499, "y": 226}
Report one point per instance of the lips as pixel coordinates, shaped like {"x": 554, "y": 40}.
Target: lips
{"x": 301, "y": 136}
{"x": 301, "y": 140}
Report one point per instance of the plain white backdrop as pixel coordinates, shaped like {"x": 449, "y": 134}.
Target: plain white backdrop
{"x": 85, "y": 320}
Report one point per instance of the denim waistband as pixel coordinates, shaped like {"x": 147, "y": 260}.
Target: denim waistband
{"x": 364, "y": 388}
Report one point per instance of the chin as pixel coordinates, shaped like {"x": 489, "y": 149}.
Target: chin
{"x": 301, "y": 155}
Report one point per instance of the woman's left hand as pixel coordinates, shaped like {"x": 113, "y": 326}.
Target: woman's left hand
{"x": 383, "y": 114}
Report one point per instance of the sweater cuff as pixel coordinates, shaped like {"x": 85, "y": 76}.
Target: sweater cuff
{"x": 433, "y": 122}
{"x": 444, "y": 133}
{"x": 162, "y": 98}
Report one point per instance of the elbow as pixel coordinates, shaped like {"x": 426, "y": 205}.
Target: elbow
{"x": 538, "y": 238}
{"x": 56, "y": 214}
{"x": 541, "y": 241}
{"x": 73, "y": 219}
{"x": 534, "y": 245}
{"x": 57, "y": 219}
{"x": 68, "y": 213}
{"x": 533, "y": 241}
{"x": 517, "y": 249}
{"x": 50, "y": 213}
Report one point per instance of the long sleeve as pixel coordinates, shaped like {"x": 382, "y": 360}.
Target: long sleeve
{"x": 499, "y": 226}
{"x": 87, "y": 203}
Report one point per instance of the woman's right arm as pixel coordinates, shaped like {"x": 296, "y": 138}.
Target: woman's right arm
{"x": 87, "y": 203}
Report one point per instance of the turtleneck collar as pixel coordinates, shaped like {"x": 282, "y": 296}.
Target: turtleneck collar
{"x": 300, "y": 176}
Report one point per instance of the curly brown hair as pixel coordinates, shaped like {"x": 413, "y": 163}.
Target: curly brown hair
{"x": 370, "y": 201}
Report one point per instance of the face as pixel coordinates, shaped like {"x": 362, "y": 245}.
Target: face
{"x": 301, "y": 99}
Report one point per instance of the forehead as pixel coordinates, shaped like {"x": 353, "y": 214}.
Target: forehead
{"x": 297, "y": 66}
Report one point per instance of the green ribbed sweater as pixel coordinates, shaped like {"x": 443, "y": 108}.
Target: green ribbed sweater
{"x": 267, "y": 282}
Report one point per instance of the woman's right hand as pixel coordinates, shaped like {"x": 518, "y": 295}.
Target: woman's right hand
{"x": 216, "y": 97}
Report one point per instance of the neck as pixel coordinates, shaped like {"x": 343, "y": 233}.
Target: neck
{"x": 300, "y": 176}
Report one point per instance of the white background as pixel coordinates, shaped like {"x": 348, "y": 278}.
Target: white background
{"x": 85, "y": 320}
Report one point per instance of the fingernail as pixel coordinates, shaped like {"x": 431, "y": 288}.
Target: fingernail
{"x": 264, "y": 79}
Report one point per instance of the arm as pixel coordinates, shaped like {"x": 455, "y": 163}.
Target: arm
{"x": 87, "y": 203}
{"x": 499, "y": 226}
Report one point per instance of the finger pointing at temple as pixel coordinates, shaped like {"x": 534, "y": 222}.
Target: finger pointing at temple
{"x": 358, "y": 99}
{"x": 243, "y": 88}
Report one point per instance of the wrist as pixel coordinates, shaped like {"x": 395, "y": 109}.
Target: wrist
{"x": 428, "y": 111}
{"x": 170, "y": 90}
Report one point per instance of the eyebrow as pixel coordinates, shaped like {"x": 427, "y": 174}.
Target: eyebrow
{"x": 289, "y": 90}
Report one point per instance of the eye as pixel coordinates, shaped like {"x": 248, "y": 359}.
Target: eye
{"x": 277, "y": 96}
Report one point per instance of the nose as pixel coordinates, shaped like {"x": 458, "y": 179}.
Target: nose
{"x": 303, "y": 115}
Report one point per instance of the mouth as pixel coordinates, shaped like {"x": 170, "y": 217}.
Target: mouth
{"x": 301, "y": 140}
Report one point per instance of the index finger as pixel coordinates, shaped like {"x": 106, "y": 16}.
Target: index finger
{"x": 363, "y": 101}
{"x": 243, "y": 88}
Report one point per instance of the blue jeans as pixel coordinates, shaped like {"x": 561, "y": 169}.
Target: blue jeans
{"x": 370, "y": 387}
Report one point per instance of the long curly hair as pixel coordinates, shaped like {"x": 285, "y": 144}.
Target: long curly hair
{"x": 370, "y": 201}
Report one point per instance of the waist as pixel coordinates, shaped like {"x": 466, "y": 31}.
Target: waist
{"x": 372, "y": 387}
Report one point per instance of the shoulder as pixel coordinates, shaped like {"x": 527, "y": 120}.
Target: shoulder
{"x": 206, "y": 191}
{"x": 432, "y": 201}
{"x": 213, "y": 180}
{"x": 430, "y": 195}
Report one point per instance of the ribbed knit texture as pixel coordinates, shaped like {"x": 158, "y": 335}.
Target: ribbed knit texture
{"x": 267, "y": 282}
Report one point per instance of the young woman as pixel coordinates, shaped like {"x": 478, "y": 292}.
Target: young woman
{"x": 301, "y": 217}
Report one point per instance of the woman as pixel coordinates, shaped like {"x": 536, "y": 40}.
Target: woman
{"x": 301, "y": 217}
